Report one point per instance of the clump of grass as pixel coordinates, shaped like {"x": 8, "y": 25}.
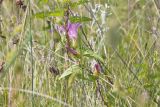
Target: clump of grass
{"x": 114, "y": 60}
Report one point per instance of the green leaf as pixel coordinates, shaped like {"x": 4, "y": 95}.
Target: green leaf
{"x": 46, "y": 28}
{"x": 43, "y": 1}
{"x": 80, "y": 2}
{"x": 70, "y": 70}
{"x": 91, "y": 54}
{"x": 76, "y": 19}
{"x": 83, "y": 77}
{"x": 71, "y": 79}
{"x": 49, "y": 14}
{"x": 148, "y": 86}
{"x": 83, "y": 1}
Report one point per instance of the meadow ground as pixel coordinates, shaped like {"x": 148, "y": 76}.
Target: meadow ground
{"x": 96, "y": 53}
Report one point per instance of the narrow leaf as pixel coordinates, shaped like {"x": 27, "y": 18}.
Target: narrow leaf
{"x": 70, "y": 70}
{"x": 80, "y": 2}
{"x": 76, "y": 19}
{"x": 93, "y": 55}
{"x": 49, "y": 14}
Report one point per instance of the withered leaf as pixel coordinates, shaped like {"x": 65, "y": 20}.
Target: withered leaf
{"x": 15, "y": 40}
{"x": 54, "y": 70}
{"x": 1, "y": 65}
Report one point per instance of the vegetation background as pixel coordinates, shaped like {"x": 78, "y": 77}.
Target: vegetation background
{"x": 120, "y": 35}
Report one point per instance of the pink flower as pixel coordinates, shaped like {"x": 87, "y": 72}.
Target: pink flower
{"x": 72, "y": 29}
{"x": 97, "y": 67}
{"x": 72, "y": 32}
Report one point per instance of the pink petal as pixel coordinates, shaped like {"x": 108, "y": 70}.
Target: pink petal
{"x": 97, "y": 67}
{"x": 60, "y": 29}
{"x": 73, "y": 30}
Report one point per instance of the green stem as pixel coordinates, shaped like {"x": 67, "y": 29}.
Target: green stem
{"x": 31, "y": 44}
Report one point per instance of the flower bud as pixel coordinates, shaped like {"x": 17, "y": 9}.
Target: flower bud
{"x": 97, "y": 69}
